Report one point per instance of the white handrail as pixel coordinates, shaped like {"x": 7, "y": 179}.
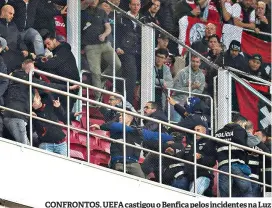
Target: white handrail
{"x": 248, "y": 75}
{"x": 261, "y": 33}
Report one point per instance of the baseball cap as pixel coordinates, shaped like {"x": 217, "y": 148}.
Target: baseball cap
{"x": 162, "y": 36}
{"x": 235, "y": 45}
{"x": 256, "y": 57}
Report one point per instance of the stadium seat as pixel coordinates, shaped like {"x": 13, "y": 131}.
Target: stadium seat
{"x": 83, "y": 121}
{"x": 94, "y": 112}
{"x": 100, "y": 158}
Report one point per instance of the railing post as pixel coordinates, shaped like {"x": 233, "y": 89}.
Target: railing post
{"x": 160, "y": 152}
{"x": 229, "y": 164}
{"x": 74, "y": 33}
{"x": 224, "y": 97}
{"x": 68, "y": 120}
{"x": 147, "y": 68}
{"x": 215, "y": 104}
{"x": 195, "y": 168}
{"x": 88, "y": 127}
{"x": 264, "y": 187}
{"x": 168, "y": 106}
{"x": 124, "y": 139}
{"x": 190, "y": 75}
{"x": 114, "y": 51}
{"x": 30, "y": 111}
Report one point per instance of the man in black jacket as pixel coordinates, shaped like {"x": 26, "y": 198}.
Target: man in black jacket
{"x": 233, "y": 132}
{"x": 255, "y": 68}
{"x": 63, "y": 63}
{"x": 128, "y": 44}
{"x": 233, "y": 58}
{"x": 13, "y": 55}
{"x": 25, "y": 14}
{"x": 18, "y": 99}
{"x": 152, "y": 110}
{"x": 51, "y": 137}
{"x": 205, "y": 155}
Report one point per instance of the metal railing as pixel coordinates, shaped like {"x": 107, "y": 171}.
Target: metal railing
{"x": 88, "y": 132}
{"x": 261, "y": 33}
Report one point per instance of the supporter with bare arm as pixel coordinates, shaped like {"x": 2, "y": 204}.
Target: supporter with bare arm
{"x": 244, "y": 14}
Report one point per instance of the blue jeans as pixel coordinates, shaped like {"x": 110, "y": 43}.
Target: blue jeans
{"x": 256, "y": 190}
{"x": 33, "y": 36}
{"x": 17, "y": 128}
{"x": 182, "y": 183}
{"x": 240, "y": 188}
{"x": 56, "y": 148}
{"x": 202, "y": 183}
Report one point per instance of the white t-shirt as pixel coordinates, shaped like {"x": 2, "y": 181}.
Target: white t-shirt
{"x": 228, "y": 7}
{"x": 237, "y": 13}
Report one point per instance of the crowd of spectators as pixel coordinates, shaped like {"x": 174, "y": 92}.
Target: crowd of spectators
{"x": 33, "y": 35}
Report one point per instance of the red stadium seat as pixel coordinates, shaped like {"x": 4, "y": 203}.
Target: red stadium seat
{"x": 94, "y": 112}
{"x": 83, "y": 121}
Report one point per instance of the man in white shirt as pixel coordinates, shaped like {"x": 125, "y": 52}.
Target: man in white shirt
{"x": 244, "y": 14}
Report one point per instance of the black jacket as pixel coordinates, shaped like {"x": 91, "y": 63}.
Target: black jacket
{"x": 3, "y": 81}
{"x": 166, "y": 16}
{"x": 128, "y": 38}
{"x": 206, "y": 148}
{"x": 152, "y": 126}
{"x": 13, "y": 57}
{"x": 46, "y": 11}
{"x": 233, "y": 133}
{"x": 47, "y": 132}
{"x": 62, "y": 64}
{"x": 17, "y": 96}
{"x": 238, "y": 62}
{"x": 261, "y": 73}
{"x": 172, "y": 169}
{"x": 24, "y": 14}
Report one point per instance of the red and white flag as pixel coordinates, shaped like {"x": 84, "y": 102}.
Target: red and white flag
{"x": 250, "y": 45}
{"x": 192, "y": 29}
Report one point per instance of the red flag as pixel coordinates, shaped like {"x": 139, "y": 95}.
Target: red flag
{"x": 250, "y": 44}
{"x": 253, "y": 108}
{"x": 248, "y": 104}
